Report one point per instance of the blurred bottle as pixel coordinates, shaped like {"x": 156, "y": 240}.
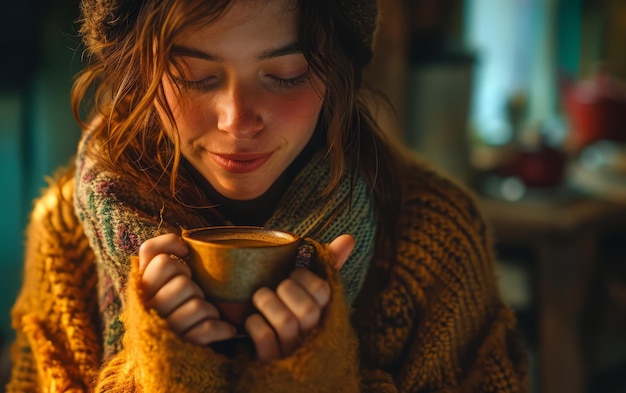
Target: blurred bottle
{"x": 595, "y": 108}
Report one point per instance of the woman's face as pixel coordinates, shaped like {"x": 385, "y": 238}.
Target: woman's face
{"x": 248, "y": 106}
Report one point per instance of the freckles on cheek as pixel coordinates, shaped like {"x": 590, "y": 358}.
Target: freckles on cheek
{"x": 301, "y": 106}
{"x": 191, "y": 118}
{"x": 194, "y": 121}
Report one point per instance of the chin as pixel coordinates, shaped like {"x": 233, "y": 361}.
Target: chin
{"x": 239, "y": 194}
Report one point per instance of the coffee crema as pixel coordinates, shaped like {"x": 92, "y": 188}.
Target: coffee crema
{"x": 235, "y": 242}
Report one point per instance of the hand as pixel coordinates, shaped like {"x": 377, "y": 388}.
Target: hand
{"x": 294, "y": 309}
{"x": 168, "y": 289}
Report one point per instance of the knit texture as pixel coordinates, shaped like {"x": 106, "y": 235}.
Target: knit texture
{"x": 357, "y": 21}
{"x": 429, "y": 320}
{"x": 348, "y": 210}
{"x": 56, "y": 313}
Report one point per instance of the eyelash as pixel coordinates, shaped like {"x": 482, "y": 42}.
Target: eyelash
{"x": 293, "y": 82}
{"x": 206, "y": 84}
{"x": 200, "y": 85}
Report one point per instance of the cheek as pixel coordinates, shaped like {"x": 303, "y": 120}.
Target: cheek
{"x": 190, "y": 118}
{"x": 196, "y": 119}
{"x": 301, "y": 108}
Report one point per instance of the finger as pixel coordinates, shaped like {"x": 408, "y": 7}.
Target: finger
{"x": 191, "y": 313}
{"x": 174, "y": 293}
{"x": 208, "y": 331}
{"x": 300, "y": 303}
{"x": 280, "y": 318}
{"x": 161, "y": 269}
{"x": 263, "y": 337}
{"x": 341, "y": 248}
{"x": 163, "y": 244}
{"x": 317, "y": 287}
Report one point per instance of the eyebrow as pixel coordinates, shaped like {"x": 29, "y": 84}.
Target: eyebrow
{"x": 289, "y": 49}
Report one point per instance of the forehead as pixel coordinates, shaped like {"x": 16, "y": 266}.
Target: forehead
{"x": 246, "y": 24}
{"x": 237, "y": 8}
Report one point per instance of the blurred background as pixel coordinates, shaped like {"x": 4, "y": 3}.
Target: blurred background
{"x": 522, "y": 101}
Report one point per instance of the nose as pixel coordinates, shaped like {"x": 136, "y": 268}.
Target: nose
{"x": 238, "y": 112}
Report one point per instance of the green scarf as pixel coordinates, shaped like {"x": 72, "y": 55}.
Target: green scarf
{"x": 303, "y": 210}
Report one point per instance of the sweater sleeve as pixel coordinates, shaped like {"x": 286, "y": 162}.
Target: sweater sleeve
{"x": 55, "y": 317}
{"x": 154, "y": 359}
{"x": 327, "y": 360}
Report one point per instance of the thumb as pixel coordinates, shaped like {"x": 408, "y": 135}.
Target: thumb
{"x": 341, "y": 248}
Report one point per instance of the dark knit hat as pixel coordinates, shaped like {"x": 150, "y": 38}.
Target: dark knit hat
{"x": 357, "y": 21}
{"x": 106, "y": 20}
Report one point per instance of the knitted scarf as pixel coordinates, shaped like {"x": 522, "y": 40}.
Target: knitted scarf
{"x": 304, "y": 211}
{"x": 117, "y": 218}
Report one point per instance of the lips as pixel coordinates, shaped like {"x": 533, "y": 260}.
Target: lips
{"x": 241, "y": 162}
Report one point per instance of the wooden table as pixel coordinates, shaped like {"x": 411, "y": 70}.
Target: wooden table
{"x": 563, "y": 236}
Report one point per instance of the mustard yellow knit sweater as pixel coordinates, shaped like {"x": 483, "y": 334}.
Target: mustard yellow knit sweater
{"x": 429, "y": 321}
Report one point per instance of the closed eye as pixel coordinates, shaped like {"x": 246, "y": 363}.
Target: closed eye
{"x": 201, "y": 85}
{"x": 291, "y": 82}
{"x": 210, "y": 82}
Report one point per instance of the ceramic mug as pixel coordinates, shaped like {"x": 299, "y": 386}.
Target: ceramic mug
{"x": 231, "y": 262}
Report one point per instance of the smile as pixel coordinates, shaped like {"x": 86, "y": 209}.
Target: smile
{"x": 241, "y": 163}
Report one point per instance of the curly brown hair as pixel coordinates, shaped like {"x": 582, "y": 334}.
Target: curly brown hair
{"x": 128, "y": 44}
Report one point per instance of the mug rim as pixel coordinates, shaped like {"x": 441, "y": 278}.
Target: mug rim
{"x": 191, "y": 235}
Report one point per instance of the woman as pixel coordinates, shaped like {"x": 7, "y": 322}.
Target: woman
{"x": 251, "y": 113}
